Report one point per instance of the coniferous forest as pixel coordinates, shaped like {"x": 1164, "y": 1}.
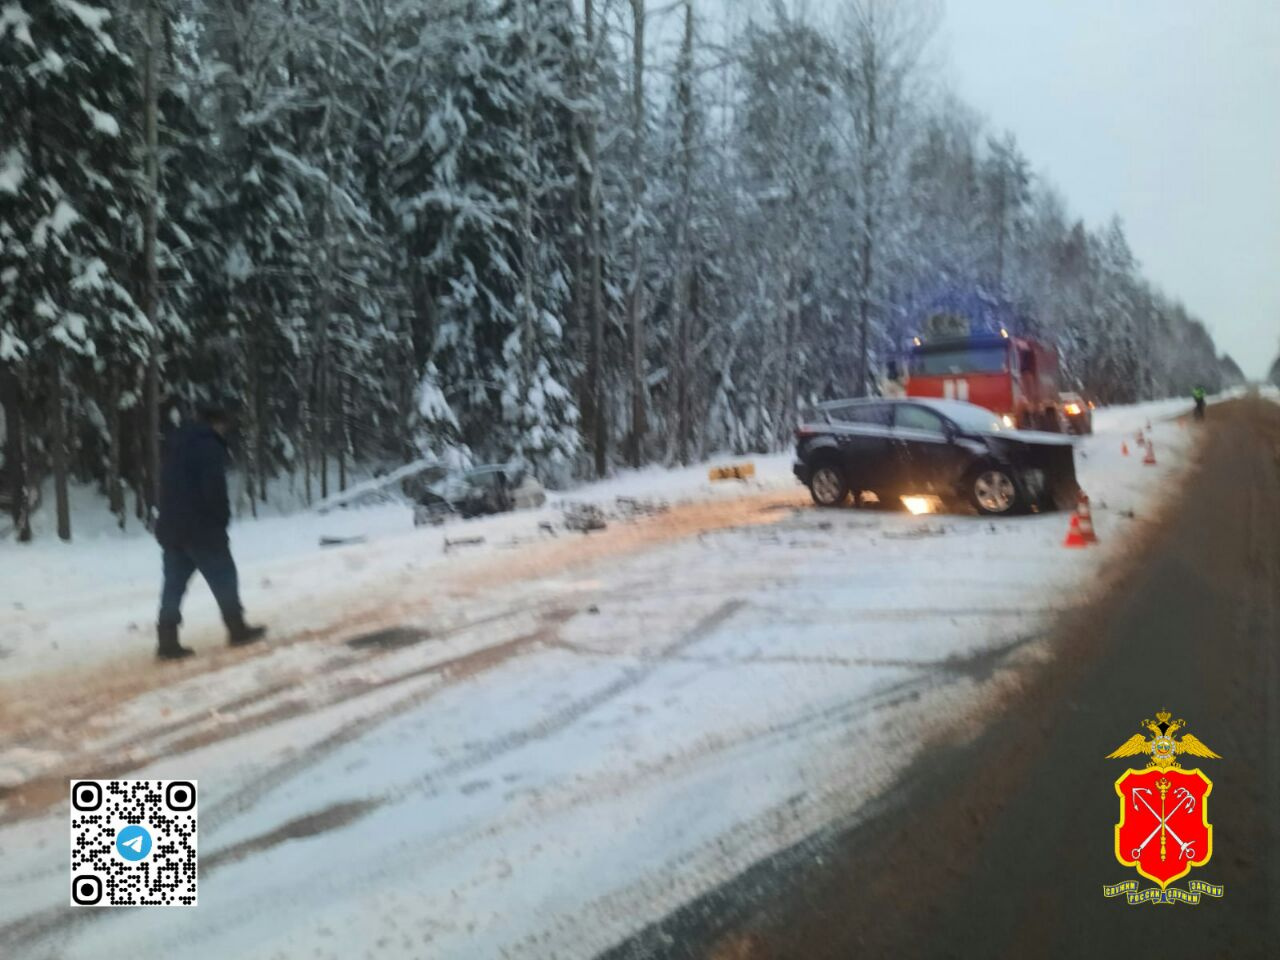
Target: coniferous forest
{"x": 579, "y": 233}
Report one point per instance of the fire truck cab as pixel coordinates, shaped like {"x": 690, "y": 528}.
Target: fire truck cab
{"x": 1014, "y": 377}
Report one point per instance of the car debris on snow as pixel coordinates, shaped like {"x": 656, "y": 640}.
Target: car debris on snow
{"x": 918, "y": 533}
{"x": 584, "y": 518}
{"x": 342, "y": 541}
{"x": 637, "y": 507}
{"x": 463, "y": 542}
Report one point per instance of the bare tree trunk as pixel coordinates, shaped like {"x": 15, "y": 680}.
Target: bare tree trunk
{"x": 601, "y": 439}
{"x": 322, "y": 422}
{"x": 257, "y": 446}
{"x": 588, "y": 300}
{"x": 528, "y": 242}
{"x": 581, "y": 343}
{"x": 15, "y": 456}
{"x": 1001, "y": 202}
{"x": 791, "y": 325}
{"x": 679, "y": 359}
{"x": 138, "y": 453}
{"x": 304, "y": 422}
{"x": 58, "y": 425}
{"x": 600, "y": 423}
{"x": 324, "y": 401}
{"x": 342, "y": 436}
{"x": 635, "y": 289}
{"x": 115, "y": 489}
{"x": 870, "y": 77}
{"x": 864, "y": 309}
{"x": 152, "y": 295}
{"x": 691, "y": 328}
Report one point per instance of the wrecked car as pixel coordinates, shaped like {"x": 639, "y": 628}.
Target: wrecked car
{"x": 480, "y": 491}
{"x": 956, "y": 452}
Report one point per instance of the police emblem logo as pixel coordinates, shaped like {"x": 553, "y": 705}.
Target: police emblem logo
{"x": 1164, "y": 830}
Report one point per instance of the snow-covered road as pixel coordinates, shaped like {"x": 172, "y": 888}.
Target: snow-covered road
{"x": 549, "y": 755}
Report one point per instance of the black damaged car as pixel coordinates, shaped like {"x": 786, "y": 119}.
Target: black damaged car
{"x": 955, "y": 451}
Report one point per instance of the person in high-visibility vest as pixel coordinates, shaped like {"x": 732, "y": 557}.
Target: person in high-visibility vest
{"x": 1198, "y": 395}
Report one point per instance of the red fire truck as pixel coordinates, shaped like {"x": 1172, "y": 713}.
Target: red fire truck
{"x": 1014, "y": 377}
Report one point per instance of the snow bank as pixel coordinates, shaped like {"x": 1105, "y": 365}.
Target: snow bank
{"x": 95, "y": 598}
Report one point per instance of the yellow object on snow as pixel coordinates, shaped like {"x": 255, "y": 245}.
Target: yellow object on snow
{"x": 738, "y": 471}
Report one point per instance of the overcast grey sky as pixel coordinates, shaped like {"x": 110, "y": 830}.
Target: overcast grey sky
{"x": 1166, "y": 112}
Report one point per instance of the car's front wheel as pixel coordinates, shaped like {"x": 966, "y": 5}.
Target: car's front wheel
{"x": 993, "y": 490}
{"x": 828, "y": 485}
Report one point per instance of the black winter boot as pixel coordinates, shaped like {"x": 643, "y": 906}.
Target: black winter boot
{"x": 240, "y": 634}
{"x": 168, "y": 647}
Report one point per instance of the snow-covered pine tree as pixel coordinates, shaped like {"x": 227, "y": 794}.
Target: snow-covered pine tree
{"x": 262, "y": 221}
{"x": 1006, "y": 182}
{"x": 349, "y": 286}
{"x": 67, "y": 185}
{"x": 486, "y": 178}
{"x": 386, "y": 49}
{"x": 788, "y": 145}
{"x": 883, "y": 44}
{"x": 195, "y": 347}
{"x": 537, "y": 400}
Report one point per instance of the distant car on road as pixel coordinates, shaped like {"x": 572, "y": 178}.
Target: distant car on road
{"x": 1077, "y": 413}
{"x": 956, "y": 451}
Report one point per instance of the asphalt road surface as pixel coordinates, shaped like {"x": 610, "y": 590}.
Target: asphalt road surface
{"x": 1000, "y": 847}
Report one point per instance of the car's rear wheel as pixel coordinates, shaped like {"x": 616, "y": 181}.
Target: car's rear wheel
{"x": 993, "y": 491}
{"x": 828, "y": 485}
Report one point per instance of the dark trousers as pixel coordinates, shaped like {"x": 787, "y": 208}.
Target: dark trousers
{"x": 219, "y": 571}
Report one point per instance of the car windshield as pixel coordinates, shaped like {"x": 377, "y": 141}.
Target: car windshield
{"x": 926, "y": 363}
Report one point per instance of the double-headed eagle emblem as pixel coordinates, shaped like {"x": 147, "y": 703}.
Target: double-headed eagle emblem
{"x": 1162, "y": 748}
{"x": 1164, "y": 830}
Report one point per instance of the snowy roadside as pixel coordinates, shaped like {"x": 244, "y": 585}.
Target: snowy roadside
{"x": 577, "y": 759}
{"x": 93, "y": 601}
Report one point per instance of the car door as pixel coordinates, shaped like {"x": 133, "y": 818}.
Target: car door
{"x": 864, "y": 432}
{"x": 930, "y": 462}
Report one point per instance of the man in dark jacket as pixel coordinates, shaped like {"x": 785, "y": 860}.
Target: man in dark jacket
{"x": 192, "y": 529}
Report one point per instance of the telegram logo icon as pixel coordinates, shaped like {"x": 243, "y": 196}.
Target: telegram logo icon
{"x": 133, "y": 843}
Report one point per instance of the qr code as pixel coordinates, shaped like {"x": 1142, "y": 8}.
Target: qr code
{"x": 133, "y": 843}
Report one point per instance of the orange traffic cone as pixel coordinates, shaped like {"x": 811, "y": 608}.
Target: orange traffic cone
{"x": 1140, "y": 438}
{"x": 1081, "y": 532}
{"x": 1150, "y": 459}
{"x": 1085, "y": 512}
{"x": 1124, "y": 449}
